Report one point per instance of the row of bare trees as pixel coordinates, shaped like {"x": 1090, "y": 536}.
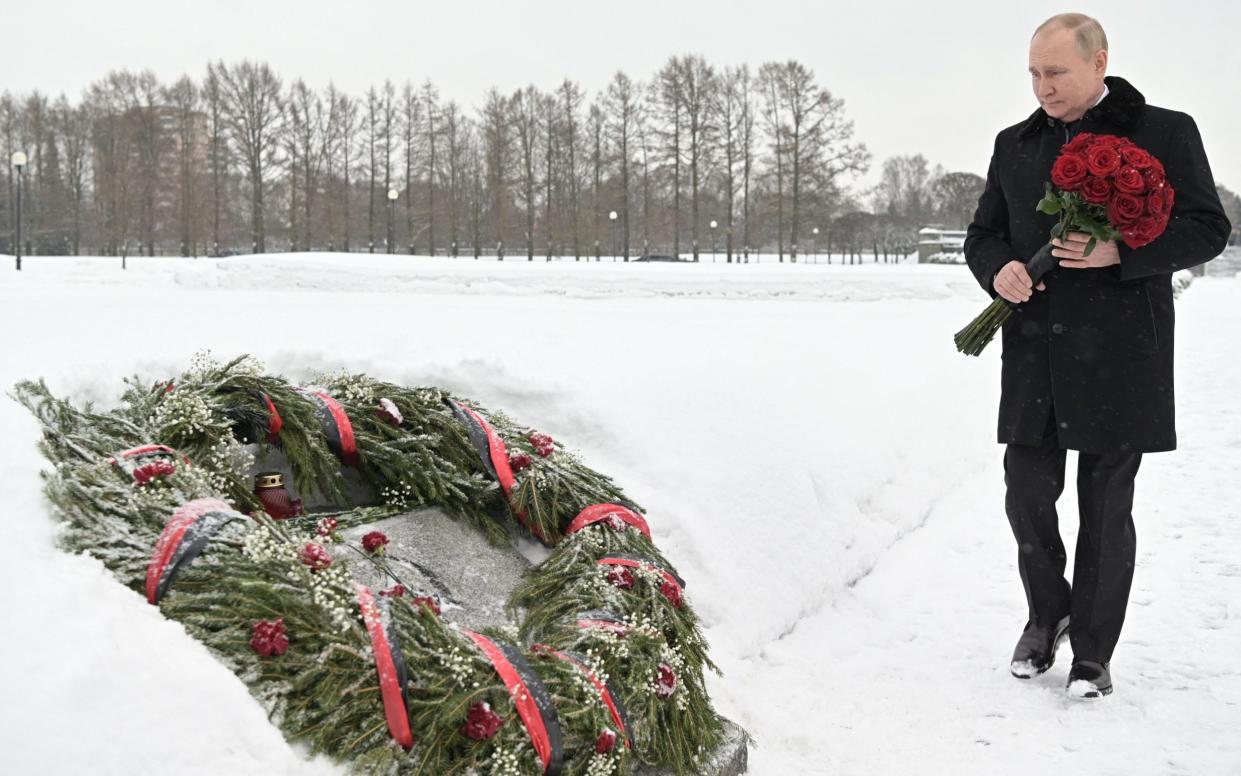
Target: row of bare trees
{"x": 695, "y": 158}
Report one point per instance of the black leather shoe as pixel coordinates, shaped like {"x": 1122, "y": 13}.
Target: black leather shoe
{"x": 1036, "y": 649}
{"x": 1089, "y": 679}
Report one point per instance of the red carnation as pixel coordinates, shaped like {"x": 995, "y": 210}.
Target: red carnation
{"x": 374, "y": 542}
{"x": 326, "y": 526}
{"x": 605, "y": 743}
{"x": 427, "y": 601}
{"x": 519, "y": 461}
{"x": 1069, "y": 171}
{"x": 1124, "y": 209}
{"x": 388, "y": 412}
{"x": 1136, "y": 157}
{"x": 542, "y": 650}
{"x": 666, "y": 684}
{"x": 621, "y": 576}
{"x": 671, "y": 591}
{"x": 396, "y": 591}
{"x": 543, "y": 444}
{"x": 482, "y": 723}
{"x": 153, "y": 470}
{"x": 1102, "y": 158}
{"x": 1096, "y": 190}
{"x": 268, "y": 637}
{"x": 1129, "y": 180}
{"x": 315, "y": 556}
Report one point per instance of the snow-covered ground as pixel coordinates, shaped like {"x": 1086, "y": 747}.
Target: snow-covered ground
{"x": 811, "y": 450}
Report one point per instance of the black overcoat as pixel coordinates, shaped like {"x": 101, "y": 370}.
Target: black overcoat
{"x": 1096, "y": 346}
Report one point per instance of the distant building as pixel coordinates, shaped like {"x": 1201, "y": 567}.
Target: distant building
{"x": 941, "y": 246}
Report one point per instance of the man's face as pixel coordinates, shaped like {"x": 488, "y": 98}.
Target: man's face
{"x": 1065, "y": 83}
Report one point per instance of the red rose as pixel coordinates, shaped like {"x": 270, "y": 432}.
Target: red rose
{"x": 1096, "y": 191}
{"x": 427, "y": 601}
{"x": 621, "y": 576}
{"x": 1069, "y": 171}
{"x": 1102, "y": 159}
{"x": 1158, "y": 203}
{"x": 1143, "y": 232}
{"x": 1109, "y": 141}
{"x": 326, "y": 526}
{"x": 1129, "y": 180}
{"x": 315, "y": 556}
{"x": 374, "y": 542}
{"x": 605, "y": 743}
{"x": 1136, "y": 157}
{"x": 482, "y": 723}
{"x": 1124, "y": 209}
{"x": 1155, "y": 177}
{"x": 519, "y": 461}
{"x": 666, "y": 682}
{"x": 672, "y": 592}
{"x": 268, "y": 637}
{"x": 1078, "y": 144}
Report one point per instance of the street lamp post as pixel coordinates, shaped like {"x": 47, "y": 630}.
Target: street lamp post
{"x": 391, "y": 242}
{"x": 714, "y": 224}
{"x": 19, "y": 163}
{"x": 816, "y": 245}
{"x": 612, "y": 218}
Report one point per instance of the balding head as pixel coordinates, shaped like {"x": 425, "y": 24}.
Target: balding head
{"x": 1068, "y": 60}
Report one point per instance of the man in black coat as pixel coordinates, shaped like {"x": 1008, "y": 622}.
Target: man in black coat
{"x": 1087, "y": 354}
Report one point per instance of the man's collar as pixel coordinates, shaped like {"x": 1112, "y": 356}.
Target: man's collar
{"x": 1121, "y": 104}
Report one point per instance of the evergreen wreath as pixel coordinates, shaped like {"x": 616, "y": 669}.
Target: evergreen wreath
{"x": 604, "y": 669}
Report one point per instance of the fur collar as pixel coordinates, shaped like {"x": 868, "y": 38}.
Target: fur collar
{"x": 1122, "y": 107}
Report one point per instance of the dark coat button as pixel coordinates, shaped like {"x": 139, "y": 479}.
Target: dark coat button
{"x": 1057, "y": 328}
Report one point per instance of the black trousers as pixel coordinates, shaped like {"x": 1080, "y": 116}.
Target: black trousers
{"x": 1106, "y": 545}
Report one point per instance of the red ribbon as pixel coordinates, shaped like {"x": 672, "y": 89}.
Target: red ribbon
{"x": 604, "y": 693}
{"x": 389, "y": 688}
{"x": 147, "y": 450}
{"x": 598, "y": 512}
{"x": 498, "y": 454}
{"x": 170, "y": 538}
{"x": 633, "y": 564}
{"x": 348, "y": 445}
{"x": 274, "y": 422}
{"x": 523, "y": 700}
{"x": 615, "y": 627}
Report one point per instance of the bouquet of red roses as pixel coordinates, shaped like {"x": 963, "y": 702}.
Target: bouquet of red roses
{"x": 1105, "y": 186}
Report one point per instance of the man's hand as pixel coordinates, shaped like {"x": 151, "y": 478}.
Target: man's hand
{"x": 1013, "y": 282}
{"x": 1070, "y": 251}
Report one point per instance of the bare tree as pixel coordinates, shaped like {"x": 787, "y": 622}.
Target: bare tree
{"x": 496, "y": 142}
{"x": 430, "y": 108}
{"x": 217, "y": 147}
{"x": 456, "y": 130}
{"x": 411, "y": 120}
{"x": 73, "y": 127}
{"x": 595, "y": 124}
{"x": 571, "y": 105}
{"x": 308, "y": 126}
{"x": 254, "y": 114}
{"x": 524, "y": 116}
{"x": 623, "y": 108}
{"x": 956, "y": 195}
{"x": 668, "y": 100}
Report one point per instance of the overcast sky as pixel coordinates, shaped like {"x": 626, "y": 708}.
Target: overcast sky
{"x": 937, "y": 78}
